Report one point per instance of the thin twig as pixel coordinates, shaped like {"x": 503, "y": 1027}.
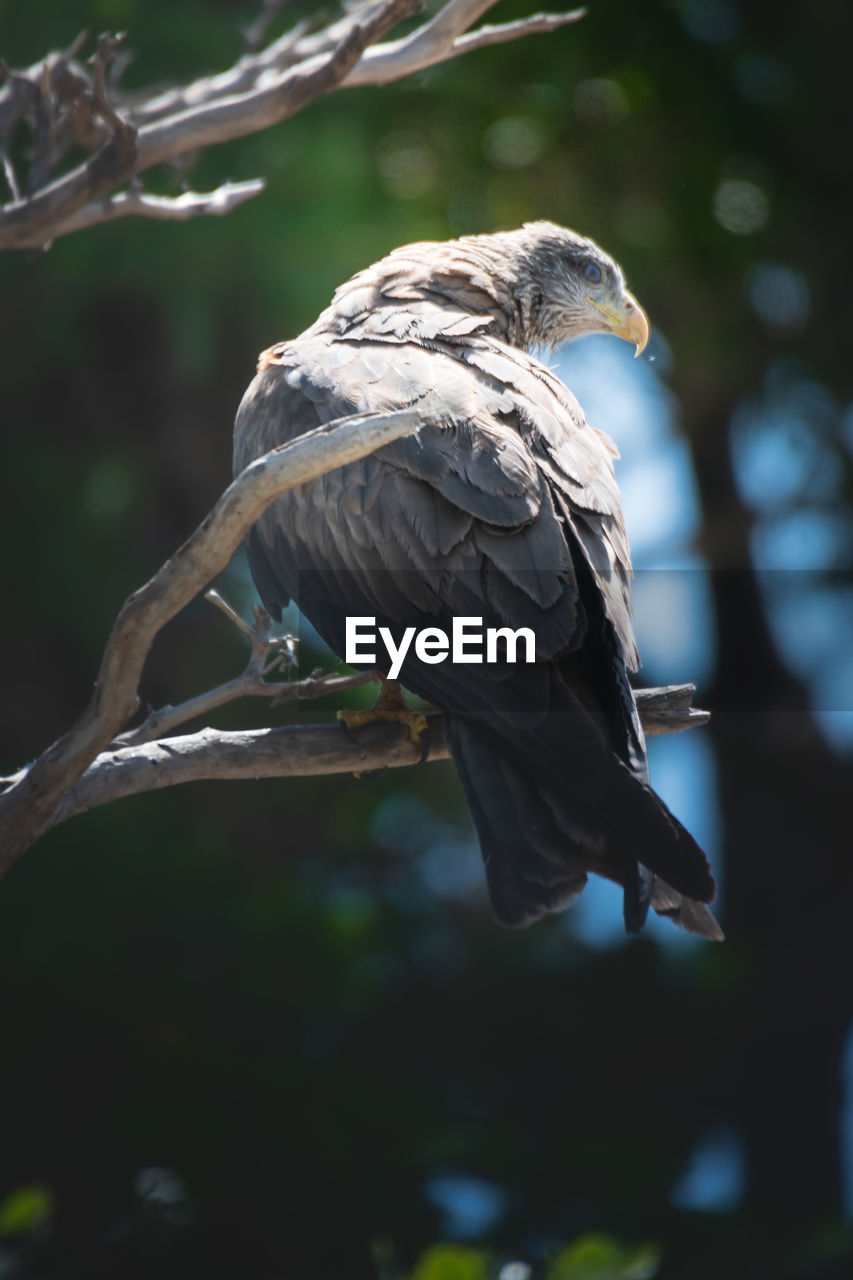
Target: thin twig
{"x": 444, "y": 38}
{"x": 269, "y": 652}
{"x": 44, "y": 114}
{"x": 10, "y": 175}
{"x": 501, "y": 33}
{"x": 133, "y": 203}
{"x": 161, "y": 723}
{"x": 233, "y": 616}
{"x": 108, "y": 46}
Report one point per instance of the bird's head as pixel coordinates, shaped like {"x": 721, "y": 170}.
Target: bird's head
{"x": 567, "y": 286}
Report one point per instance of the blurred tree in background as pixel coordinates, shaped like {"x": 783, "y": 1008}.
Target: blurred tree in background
{"x": 270, "y": 1031}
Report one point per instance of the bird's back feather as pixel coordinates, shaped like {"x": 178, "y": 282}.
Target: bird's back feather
{"x": 504, "y": 507}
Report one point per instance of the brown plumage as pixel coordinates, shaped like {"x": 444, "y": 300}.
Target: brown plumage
{"x": 504, "y": 507}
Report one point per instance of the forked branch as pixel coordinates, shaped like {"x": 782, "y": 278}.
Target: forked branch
{"x": 28, "y": 806}
{"x": 66, "y": 103}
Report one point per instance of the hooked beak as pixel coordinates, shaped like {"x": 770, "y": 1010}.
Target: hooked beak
{"x": 625, "y": 319}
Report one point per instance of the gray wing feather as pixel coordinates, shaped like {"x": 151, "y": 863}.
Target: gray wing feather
{"x": 505, "y": 450}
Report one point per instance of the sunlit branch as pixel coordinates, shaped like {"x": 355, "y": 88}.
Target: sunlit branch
{"x": 127, "y": 134}
{"x": 190, "y": 204}
{"x": 28, "y": 805}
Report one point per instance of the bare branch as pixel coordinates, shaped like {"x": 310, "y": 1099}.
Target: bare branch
{"x": 269, "y": 654}
{"x": 10, "y": 175}
{"x": 191, "y": 204}
{"x": 233, "y": 616}
{"x": 502, "y": 33}
{"x": 134, "y": 132}
{"x": 669, "y": 709}
{"x": 302, "y": 750}
{"x": 44, "y": 119}
{"x": 26, "y": 808}
{"x": 234, "y": 117}
{"x": 442, "y": 39}
{"x": 251, "y": 684}
{"x": 17, "y": 96}
{"x": 249, "y": 72}
{"x": 108, "y": 47}
{"x": 29, "y": 223}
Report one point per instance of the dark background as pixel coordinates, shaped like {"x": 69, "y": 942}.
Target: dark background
{"x": 269, "y": 1030}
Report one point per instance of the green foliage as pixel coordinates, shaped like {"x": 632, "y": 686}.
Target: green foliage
{"x": 452, "y": 1262}
{"x": 25, "y": 1210}
{"x": 595, "y": 1256}
{"x": 600, "y": 1257}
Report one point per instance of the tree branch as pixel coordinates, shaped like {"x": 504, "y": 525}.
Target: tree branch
{"x": 443, "y": 38}
{"x": 298, "y": 751}
{"x": 28, "y": 806}
{"x": 131, "y": 133}
{"x": 223, "y": 119}
{"x": 28, "y": 223}
{"x": 180, "y": 208}
{"x": 269, "y": 654}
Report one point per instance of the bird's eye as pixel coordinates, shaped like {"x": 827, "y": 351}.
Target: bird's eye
{"x": 592, "y": 272}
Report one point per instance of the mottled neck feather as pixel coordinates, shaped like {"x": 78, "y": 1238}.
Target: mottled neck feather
{"x": 480, "y": 276}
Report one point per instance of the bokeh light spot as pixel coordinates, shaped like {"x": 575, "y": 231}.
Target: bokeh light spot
{"x": 740, "y": 207}
{"x": 471, "y": 1206}
{"x": 762, "y": 78}
{"x": 779, "y": 296}
{"x": 712, "y": 21}
{"x": 514, "y": 142}
{"x": 406, "y": 165}
{"x": 159, "y": 1185}
{"x": 808, "y": 538}
{"x": 716, "y": 1176}
{"x": 515, "y": 1271}
{"x": 779, "y": 459}
{"x": 643, "y": 222}
{"x": 109, "y": 489}
{"x": 601, "y": 100}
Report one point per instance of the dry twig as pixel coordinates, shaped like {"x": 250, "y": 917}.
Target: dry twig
{"x": 163, "y": 208}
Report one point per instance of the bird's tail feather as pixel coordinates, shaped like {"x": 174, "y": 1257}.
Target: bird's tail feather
{"x": 685, "y": 912}
{"x": 530, "y": 867}
{"x": 638, "y": 884}
{"x": 639, "y": 819}
{"x": 535, "y": 854}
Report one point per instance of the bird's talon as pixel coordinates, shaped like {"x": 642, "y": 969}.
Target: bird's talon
{"x": 415, "y": 721}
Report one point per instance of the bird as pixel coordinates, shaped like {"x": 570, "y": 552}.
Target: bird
{"x": 502, "y": 507}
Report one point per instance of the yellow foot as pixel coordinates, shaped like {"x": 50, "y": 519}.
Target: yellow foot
{"x": 389, "y": 708}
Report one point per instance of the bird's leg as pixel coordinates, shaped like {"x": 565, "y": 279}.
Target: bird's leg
{"x": 390, "y": 708}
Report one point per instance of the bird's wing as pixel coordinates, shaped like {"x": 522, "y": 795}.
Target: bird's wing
{"x": 504, "y": 506}
{"x": 576, "y": 460}
{"x": 504, "y": 450}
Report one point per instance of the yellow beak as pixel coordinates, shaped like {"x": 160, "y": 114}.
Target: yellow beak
{"x": 625, "y": 319}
